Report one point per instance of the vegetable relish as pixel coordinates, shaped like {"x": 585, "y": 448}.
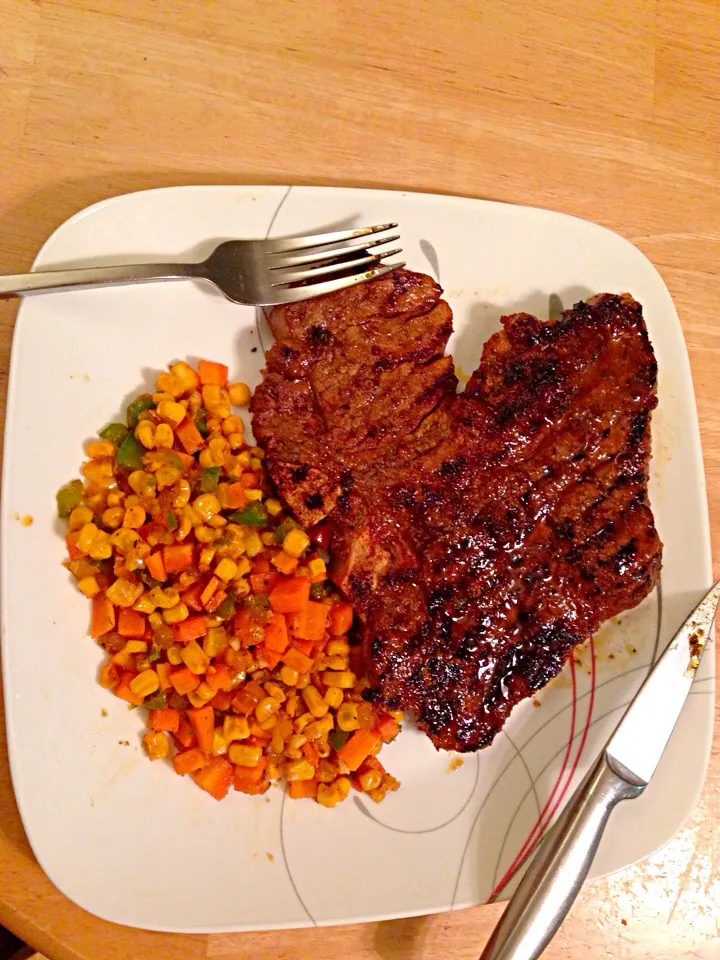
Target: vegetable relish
{"x": 213, "y": 604}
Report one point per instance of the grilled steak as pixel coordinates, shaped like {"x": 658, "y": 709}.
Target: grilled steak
{"x": 480, "y": 536}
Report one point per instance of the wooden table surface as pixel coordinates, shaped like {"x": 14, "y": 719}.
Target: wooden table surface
{"x": 609, "y": 110}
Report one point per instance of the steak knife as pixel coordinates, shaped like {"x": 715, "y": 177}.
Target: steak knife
{"x": 623, "y": 770}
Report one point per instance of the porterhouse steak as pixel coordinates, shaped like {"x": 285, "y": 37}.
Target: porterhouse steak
{"x": 479, "y": 535}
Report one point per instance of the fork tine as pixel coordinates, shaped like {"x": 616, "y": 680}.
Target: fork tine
{"x": 295, "y": 294}
{"x": 344, "y": 253}
{"x": 284, "y": 277}
{"x": 323, "y": 239}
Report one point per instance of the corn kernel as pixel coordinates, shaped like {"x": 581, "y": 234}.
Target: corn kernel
{"x": 347, "y": 716}
{"x": 164, "y": 437}
{"x": 176, "y": 614}
{"x": 194, "y": 657}
{"x": 316, "y": 566}
{"x": 266, "y": 708}
{"x": 275, "y": 692}
{"x": 336, "y": 663}
{"x": 174, "y": 412}
{"x": 253, "y": 543}
{"x": 166, "y": 476}
{"x": 165, "y": 599}
{"x": 296, "y": 542}
{"x": 174, "y": 655}
{"x": 124, "y": 539}
{"x": 170, "y": 383}
{"x": 204, "y": 534}
{"x": 302, "y": 721}
{"x": 289, "y": 676}
{"x": 206, "y": 506}
{"x": 215, "y": 641}
{"x": 100, "y": 448}
{"x": 204, "y": 693}
{"x": 184, "y": 528}
{"x": 299, "y": 770}
{"x": 319, "y": 728}
{"x": 243, "y": 755}
{"x": 136, "y": 646}
{"x": 314, "y": 702}
{"x": 206, "y": 458}
{"x": 86, "y": 537}
{"x": 181, "y": 489}
{"x": 113, "y": 517}
{"x": 344, "y": 679}
{"x": 370, "y": 779}
{"x": 145, "y": 434}
{"x": 115, "y": 499}
{"x": 232, "y": 424}
{"x": 236, "y": 441}
{"x": 89, "y": 586}
{"x": 98, "y": 470}
{"x": 330, "y": 794}
{"x": 156, "y": 744}
{"x": 273, "y": 507}
{"x": 124, "y": 593}
{"x": 226, "y": 570}
{"x": 145, "y": 683}
{"x": 186, "y": 375}
{"x": 268, "y": 538}
{"x": 217, "y": 522}
{"x": 239, "y": 394}
{"x": 134, "y": 517}
{"x": 235, "y": 728}
{"x": 255, "y": 463}
{"x": 334, "y": 697}
{"x": 207, "y": 555}
{"x": 79, "y": 517}
{"x": 220, "y": 449}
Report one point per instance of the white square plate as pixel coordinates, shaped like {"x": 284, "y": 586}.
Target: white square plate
{"x": 131, "y": 842}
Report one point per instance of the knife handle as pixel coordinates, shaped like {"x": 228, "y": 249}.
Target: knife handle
{"x": 557, "y": 871}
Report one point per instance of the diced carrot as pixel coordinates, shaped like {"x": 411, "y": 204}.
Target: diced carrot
{"x": 218, "y": 676}
{"x": 191, "y": 597}
{"x": 272, "y": 658}
{"x": 189, "y": 436}
{"x": 258, "y": 733}
{"x": 285, "y": 563}
{"x": 184, "y": 680}
{"x": 156, "y": 567}
{"x": 187, "y": 459}
{"x": 249, "y": 479}
{"x": 311, "y": 621}
{"x": 311, "y": 753}
{"x": 222, "y": 700}
{"x": 358, "y": 748}
{"x": 216, "y": 777}
{"x": 163, "y": 671}
{"x": 263, "y": 582}
{"x": 189, "y": 760}
{"x": 155, "y": 533}
{"x": 252, "y": 774}
{"x": 341, "y": 618}
{"x": 298, "y": 789}
{"x": 276, "y": 634}
{"x": 211, "y": 373}
{"x": 102, "y": 619}
{"x": 290, "y": 595}
{"x": 178, "y": 557}
{"x": 185, "y": 734}
{"x": 215, "y": 600}
{"x": 210, "y": 588}
{"x": 297, "y": 660}
{"x": 304, "y": 646}
{"x": 202, "y": 720}
{"x": 123, "y": 690}
{"x": 388, "y": 728}
{"x": 191, "y": 629}
{"x": 248, "y": 786}
{"x": 74, "y": 552}
{"x": 247, "y": 629}
{"x": 235, "y": 496}
{"x": 165, "y": 719}
{"x": 131, "y": 623}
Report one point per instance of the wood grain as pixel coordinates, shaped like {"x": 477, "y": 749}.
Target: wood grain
{"x": 609, "y": 110}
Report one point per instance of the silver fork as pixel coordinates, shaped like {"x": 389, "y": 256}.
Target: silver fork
{"x": 253, "y": 272}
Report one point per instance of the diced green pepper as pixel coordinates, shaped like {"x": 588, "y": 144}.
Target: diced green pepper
{"x": 338, "y": 738}
{"x": 253, "y": 515}
{"x": 317, "y": 591}
{"x": 171, "y": 459}
{"x": 172, "y": 521}
{"x": 209, "y": 479}
{"x": 130, "y": 453}
{"x": 114, "y": 432}
{"x": 69, "y": 497}
{"x": 139, "y": 404}
{"x": 158, "y": 701}
{"x": 226, "y": 610}
{"x": 201, "y": 415}
{"x": 150, "y": 582}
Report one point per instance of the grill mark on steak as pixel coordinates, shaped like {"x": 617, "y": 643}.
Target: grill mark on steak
{"x": 480, "y": 536}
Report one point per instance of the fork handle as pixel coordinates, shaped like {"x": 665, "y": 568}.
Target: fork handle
{"x": 43, "y": 281}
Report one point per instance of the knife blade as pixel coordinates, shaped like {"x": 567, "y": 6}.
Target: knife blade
{"x": 621, "y": 772}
